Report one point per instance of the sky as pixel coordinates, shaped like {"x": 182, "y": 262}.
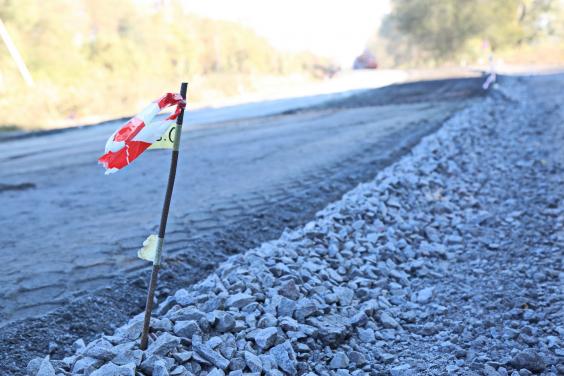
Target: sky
{"x": 338, "y": 29}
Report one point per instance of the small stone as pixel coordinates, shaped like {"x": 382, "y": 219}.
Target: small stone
{"x": 552, "y": 341}
{"x": 225, "y": 322}
{"x": 425, "y": 295}
{"x": 160, "y": 368}
{"x": 127, "y": 356}
{"x": 228, "y": 349}
{"x": 183, "y": 298}
{"x": 332, "y": 328}
{"x": 110, "y": 369}
{"x": 428, "y": 329}
{"x": 183, "y": 314}
{"x": 357, "y": 358}
{"x": 209, "y": 354}
{"x": 289, "y": 290}
{"x": 68, "y": 361}
{"x": 402, "y": 370}
{"x": 33, "y": 366}
{"x": 183, "y": 356}
{"x": 490, "y": 371}
{"x": 274, "y": 372}
{"x": 286, "y": 307}
{"x": 387, "y": 358}
{"x": 78, "y": 345}
{"x": 130, "y": 331}
{"x": 339, "y": 360}
{"x": 85, "y": 363}
{"x": 161, "y": 325}
{"x": 99, "y": 349}
{"x": 179, "y": 371}
{"x": 268, "y": 362}
{"x": 237, "y": 364}
{"x": 289, "y": 324}
{"x": 267, "y": 320}
{"x": 216, "y": 372}
{"x": 305, "y": 308}
{"x": 253, "y": 362}
{"x": 164, "y": 344}
{"x": 366, "y": 335}
{"x": 45, "y": 368}
{"x": 265, "y": 338}
{"x": 239, "y": 300}
{"x": 149, "y": 363}
{"x": 359, "y": 319}
{"x": 388, "y": 321}
{"x": 344, "y": 295}
{"x": 528, "y": 359}
{"x": 187, "y": 329}
{"x": 214, "y": 342}
{"x": 285, "y": 357}
{"x": 165, "y": 306}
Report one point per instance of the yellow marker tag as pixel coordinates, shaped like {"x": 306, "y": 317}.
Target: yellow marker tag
{"x": 167, "y": 139}
{"x": 149, "y": 249}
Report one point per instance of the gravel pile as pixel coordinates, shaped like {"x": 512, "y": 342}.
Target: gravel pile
{"x": 450, "y": 261}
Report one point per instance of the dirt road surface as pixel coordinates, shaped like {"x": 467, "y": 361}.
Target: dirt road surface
{"x": 70, "y": 234}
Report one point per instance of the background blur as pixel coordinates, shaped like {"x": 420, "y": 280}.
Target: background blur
{"x": 92, "y": 60}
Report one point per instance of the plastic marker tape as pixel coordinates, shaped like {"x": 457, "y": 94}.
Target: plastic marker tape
{"x": 166, "y": 141}
{"x": 149, "y": 250}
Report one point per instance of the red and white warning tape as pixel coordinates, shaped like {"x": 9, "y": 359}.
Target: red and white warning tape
{"x": 135, "y": 136}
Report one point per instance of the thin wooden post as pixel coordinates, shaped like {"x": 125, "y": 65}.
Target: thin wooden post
{"x": 162, "y": 227}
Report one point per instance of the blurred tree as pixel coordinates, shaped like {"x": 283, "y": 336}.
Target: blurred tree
{"x": 443, "y": 30}
{"x": 81, "y": 52}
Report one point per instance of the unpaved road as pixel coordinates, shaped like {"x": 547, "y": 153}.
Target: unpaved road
{"x": 70, "y": 234}
{"x": 448, "y": 262}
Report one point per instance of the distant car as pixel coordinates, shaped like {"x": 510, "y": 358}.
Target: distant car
{"x": 365, "y": 61}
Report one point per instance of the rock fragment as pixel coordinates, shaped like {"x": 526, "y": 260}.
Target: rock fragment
{"x": 265, "y": 338}
{"x": 45, "y": 368}
{"x": 239, "y": 300}
{"x": 253, "y": 362}
{"x": 209, "y": 354}
{"x": 110, "y": 369}
{"x": 339, "y": 360}
{"x": 289, "y": 290}
{"x": 187, "y": 328}
{"x": 285, "y": 357}
{"x": 164, "y": 344}
{"x": 305, "y": 308}
{"x": 528, "y": 359}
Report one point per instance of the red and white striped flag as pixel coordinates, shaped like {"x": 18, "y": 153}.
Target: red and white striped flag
{"x": 140, "y": 132}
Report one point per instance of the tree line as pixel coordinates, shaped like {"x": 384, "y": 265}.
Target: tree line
{"x": 92, "y": 57}
{"x": 431, "y": 32}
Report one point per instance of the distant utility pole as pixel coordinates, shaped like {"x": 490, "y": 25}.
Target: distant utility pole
{"x": 15, "y": 54}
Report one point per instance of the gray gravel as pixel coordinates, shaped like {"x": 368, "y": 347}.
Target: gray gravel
{"x": 280, "y": 171}
{"x": 448, "y": 262}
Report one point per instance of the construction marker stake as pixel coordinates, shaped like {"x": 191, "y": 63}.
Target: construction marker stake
{"x": 162, "y": 227}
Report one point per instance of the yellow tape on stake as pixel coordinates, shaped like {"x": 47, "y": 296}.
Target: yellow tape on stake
{"x": 149, "y": 250}
{"x": 167, "y": 139}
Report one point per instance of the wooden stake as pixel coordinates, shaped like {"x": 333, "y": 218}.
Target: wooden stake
{"x": 162, "y": 227}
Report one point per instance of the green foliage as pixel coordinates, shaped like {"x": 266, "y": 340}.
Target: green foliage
{"x": 435, "y": 31}
{"x": 104, "y": 57}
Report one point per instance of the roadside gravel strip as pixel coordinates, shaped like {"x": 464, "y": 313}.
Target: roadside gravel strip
{"x": 449, "y": 261}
